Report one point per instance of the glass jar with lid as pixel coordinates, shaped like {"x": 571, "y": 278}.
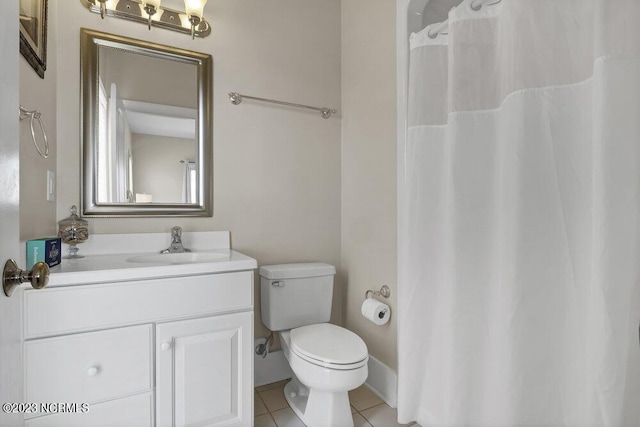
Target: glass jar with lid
{"x": 73, "y": 230}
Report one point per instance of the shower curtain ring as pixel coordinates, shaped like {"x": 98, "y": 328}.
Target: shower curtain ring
{"x": 476, "y": 5}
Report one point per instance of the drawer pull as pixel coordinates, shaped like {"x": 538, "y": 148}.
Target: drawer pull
{"x": 92, "y": 371}
{"x": 165, "y": 346}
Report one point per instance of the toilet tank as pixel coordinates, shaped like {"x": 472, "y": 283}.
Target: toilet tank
{"x": 294, "y": 295}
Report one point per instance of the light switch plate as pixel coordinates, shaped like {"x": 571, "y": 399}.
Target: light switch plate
{"x": 51, "y": 186}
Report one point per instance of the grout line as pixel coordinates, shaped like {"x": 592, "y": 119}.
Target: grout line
{"x": 374, "y": 406}
{"x": 273, "y": 419}
{"x": 362, "y": 415}
{"x": 266, "y": 407}
{"x": 356, "y": 410}
{"x": 365, "y": 418}
{"x": 263, "y": 404}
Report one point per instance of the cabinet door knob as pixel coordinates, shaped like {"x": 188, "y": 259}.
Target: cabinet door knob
{"x": 92, "y": 371}
{"x": 165, "y": 346}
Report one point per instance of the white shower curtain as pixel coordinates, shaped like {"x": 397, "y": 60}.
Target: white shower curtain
{"x": 519, "y": 239}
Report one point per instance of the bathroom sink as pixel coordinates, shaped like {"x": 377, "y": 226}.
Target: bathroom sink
{"x": 178, "y": 258}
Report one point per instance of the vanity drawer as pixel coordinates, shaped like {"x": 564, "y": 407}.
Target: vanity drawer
{"x": 90, "y": 367}
{"x": 130, "y": 411}
{"x": 80, "y": 308}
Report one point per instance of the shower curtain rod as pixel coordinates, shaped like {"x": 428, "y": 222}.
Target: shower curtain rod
{"x": 475, "y": 5}
{"x": 237, "y": 98}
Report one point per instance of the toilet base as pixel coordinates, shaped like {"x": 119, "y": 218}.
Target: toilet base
{"x": 317, "y": 408}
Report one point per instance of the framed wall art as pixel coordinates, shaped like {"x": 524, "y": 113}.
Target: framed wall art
{"x": 33, "y": 33}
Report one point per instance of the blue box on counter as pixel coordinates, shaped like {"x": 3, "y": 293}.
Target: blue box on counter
{"x": 46, "y": 249}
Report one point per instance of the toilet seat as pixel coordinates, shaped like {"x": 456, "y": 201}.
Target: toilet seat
{"x": 329, "y": 346}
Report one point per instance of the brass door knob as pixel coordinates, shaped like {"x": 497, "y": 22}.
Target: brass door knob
{"x": 13, "y": 276}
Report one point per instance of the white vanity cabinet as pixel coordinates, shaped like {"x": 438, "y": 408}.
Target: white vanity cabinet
{"x": 78, "y": 370}
{"x": 201, "y": 367}
{"x": 171, "y": 351}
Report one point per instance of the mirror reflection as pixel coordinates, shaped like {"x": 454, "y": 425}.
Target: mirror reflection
{"x": 147, "y": 142}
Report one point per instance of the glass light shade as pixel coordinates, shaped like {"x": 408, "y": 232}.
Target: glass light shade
{"x": 194, "y": 7}
{"x": 184, "y": 20}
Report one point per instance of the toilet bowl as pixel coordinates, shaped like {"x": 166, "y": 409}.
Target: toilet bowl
{"x": 327, "y": 360}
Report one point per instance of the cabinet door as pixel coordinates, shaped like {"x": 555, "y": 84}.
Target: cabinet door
{"x": 204, "y": 371}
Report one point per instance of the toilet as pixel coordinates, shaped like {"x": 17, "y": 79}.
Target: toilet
{"x": 327, "y": 361}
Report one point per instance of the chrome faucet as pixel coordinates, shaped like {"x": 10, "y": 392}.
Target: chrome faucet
{"x": 176, "y": 242}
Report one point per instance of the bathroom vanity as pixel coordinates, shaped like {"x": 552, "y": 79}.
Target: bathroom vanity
{"x": 134, "y": 340}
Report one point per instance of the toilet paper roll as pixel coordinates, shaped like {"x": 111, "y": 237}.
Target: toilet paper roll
{"x": 376, "y": 311}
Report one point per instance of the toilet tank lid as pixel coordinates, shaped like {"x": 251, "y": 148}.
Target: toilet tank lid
{"x": 298, "y": 270}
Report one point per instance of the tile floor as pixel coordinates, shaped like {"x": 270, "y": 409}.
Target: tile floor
{"x": 271, "y": 409}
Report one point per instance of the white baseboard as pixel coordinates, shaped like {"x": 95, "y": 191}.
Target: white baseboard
{"x": 270, "y": 369}
{"x": 383, "y": 381}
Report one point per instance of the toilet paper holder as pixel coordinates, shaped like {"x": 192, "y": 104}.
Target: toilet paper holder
{"x": 384, "y": 292}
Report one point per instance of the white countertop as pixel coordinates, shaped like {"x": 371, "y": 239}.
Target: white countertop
{"x": 116, "y": 268}
{"x": 102, "y": 263}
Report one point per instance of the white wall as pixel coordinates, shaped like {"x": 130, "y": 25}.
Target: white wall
{"x": 369, "y": 166}
{"x": 276, "y": 170}
{"x": 37, "y": 215}
{"x": 156, "y": 166}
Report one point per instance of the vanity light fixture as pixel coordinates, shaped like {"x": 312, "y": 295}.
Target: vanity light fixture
{"x": 195, "y": 12}
{"x": 103, "y": 7}
{"x": 150, "y": 12}
{"x": 151, "y": 7}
